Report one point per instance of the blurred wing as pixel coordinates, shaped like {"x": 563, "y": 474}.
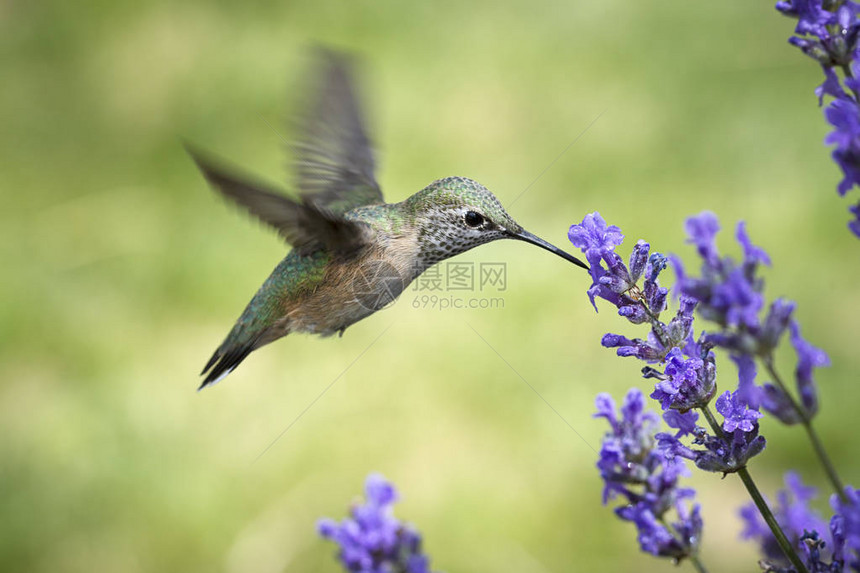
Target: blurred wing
{"x": 306, "y": 226}
{"x": 334, "y": 158}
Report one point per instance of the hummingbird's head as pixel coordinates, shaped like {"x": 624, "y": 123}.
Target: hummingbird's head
{"x": 455, "y": 214}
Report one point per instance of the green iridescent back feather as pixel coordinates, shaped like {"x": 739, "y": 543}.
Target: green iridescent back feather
{"x": 292, "y": 279}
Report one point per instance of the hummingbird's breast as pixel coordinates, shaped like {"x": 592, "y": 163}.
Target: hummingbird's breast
{"x": 349, "y": 290}
{"x": 395, "y": 241}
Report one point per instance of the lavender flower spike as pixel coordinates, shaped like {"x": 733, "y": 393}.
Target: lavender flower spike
{"x": 594, "y": 237}
{"x": 728, "y": 293}
{"x": 372, "y": 540}
{"x": 808, "y": 358}
{"x": 633, "y": 468}
{"x": 845, "y": 527}
{"x": 726, "y": 453}
{"x": 736, "y": 414}
{"x": 688, "y": 381}
{"x": 821, "y": 547}
{"x": 827, "y": 31}
{"x": 614, "y": 281}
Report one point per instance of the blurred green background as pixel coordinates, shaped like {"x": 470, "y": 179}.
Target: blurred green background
{"x": 123, "y": 271}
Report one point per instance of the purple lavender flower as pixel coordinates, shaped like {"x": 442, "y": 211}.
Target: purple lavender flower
{"x": 594, "y": 237}
{"x": 793, "y": 504}
{"x": 753, "y": 254}
{"x": 827, "y": 31}
{"x": 748, "y": 393}
{"x": 779, "y": 404}
{"x": 689, "y": 380}
{"x": 631, "y": 438}
{"x": 688, "y": 377}
{"x": 648, "y": 350}
{"x": 719, "y": 454}
{"x": 845, "y": 527}
{"x": 811, "y": 17}
{"x": 702, "y": 231}
{"x": 728, "y": 293}
{"x": 775, "y": 401}
{"x": 684, "y": 422}
{"x": 612, "y": 280}
{"x": 820, "y": 545}
{"x": 656, "y": 539}
{"x": 844, "y": 116}
{"x": 725, "y": 453}
{"x": 638, "y": 259}
{"x": 808, "y": 358}
{"x": 372, "y": 540}
{"x": 775, "y": 324}
{"x": 755, "y": 528}
{"x": 736, "y": 414}
{"x": 855, "y": 224}
{"x": 633, "y": 468}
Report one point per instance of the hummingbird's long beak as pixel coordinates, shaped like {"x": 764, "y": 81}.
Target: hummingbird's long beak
{"x": 524, "y": 235}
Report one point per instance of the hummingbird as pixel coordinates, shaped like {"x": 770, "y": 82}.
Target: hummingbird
{"x": 352, "y": 253}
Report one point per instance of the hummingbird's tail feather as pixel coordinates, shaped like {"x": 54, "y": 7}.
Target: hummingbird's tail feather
{"x": 268, "y": 316}
{"x": 228, "y": 356}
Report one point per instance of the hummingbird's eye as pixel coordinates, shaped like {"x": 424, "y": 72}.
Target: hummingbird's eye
{"x": 473, "y": 219}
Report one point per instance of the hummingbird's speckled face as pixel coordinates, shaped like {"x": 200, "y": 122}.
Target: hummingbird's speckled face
{"x": 456, "y": 214}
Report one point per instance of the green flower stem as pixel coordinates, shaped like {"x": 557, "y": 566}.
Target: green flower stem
{"x": 771, "y": 521}
{"x": 697, "y": 564}
{"x": 760, "y": 502}
{"x": 817, "y": 446}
